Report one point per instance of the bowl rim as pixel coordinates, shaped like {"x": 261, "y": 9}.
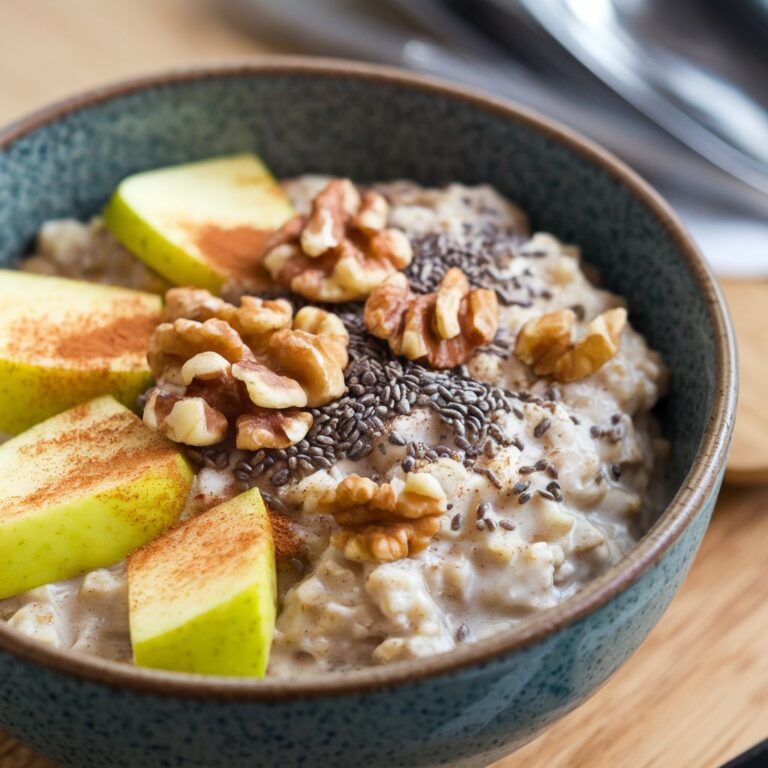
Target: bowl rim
{"x": 700, "y": 482}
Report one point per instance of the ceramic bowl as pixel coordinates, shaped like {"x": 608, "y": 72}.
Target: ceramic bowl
{"x": 478, "y": 703}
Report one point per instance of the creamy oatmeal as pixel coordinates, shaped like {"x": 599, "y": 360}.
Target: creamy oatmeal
{"x": 491, "y": 479}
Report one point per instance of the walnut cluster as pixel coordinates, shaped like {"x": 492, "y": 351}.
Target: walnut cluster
{"x": 547, "y": 344}
{"x": 255, "y": 366}
{"x": 342, "y": 250}
{"x": 443, "y": 328}
{"x": 378, "y": 523}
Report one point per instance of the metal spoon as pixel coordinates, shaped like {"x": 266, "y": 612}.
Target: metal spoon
{"x": 705, "y": 102}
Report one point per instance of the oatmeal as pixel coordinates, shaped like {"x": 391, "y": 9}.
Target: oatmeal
{"x": 70, "y": 248}
{"x": 451, "y": 428}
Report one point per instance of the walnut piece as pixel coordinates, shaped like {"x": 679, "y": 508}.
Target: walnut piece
{"x": 174, "y": 343}
{"x": 252, "y": 366}
{"x": 254, "y": 320}
{"x": 326, "y": 226}
{"x": 205, "y": 366}
{"x": 342, "y": 250}
{"x": 313, "y": 361}
{"x": 268, "y": 389}
{"x": 443, "y": 328}
{"x": 378, "y": 523}
{"x": 272, "y": 429}
{"x": 599, "y": 344}
{"x": 187, "y": 420}
{"x": 546, "y": 343}
{"x": 543, "y": 340}
{"x": 452, "y": 290}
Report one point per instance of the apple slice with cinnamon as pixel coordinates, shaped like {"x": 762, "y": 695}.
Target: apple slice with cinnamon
{"x": 82, "y": 490}
{"x": 63, "y": 342}
{"x": 202, "y": 222}
{"x": 203, "y": 596}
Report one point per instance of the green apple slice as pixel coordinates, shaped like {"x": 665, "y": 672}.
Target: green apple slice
{"x": 81, "y": 491}
{"x": 199, "y": 223}
{"x": 202, "y": 597}
{"x": 63, "y": 342}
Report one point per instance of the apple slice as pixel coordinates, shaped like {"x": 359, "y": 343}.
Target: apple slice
{"x": 63, "y": 342}
{"x": 202, "y": 597}
{"x": 81, "y": 491}
{"x": 199, "y": 223}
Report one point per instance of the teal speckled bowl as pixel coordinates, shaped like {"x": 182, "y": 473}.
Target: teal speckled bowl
{"x": 478, "y": 703}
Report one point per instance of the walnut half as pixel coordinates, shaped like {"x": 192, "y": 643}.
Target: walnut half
{"x": 253, "y": 367}
{"x": 378, "y": 523}
{"x": 342, "y": 251}
{"x": 546, "y": 343}
{"x": 442, "y": 328}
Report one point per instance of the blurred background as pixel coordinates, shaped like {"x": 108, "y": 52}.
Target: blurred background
{"x": 675, "y": 87}
{"x": 679, "y": 90}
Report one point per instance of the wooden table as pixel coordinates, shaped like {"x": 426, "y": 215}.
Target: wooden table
{"x": 696, "y": 693}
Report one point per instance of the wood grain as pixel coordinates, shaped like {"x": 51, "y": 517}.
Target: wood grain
{"x": 696, "y": 693}
{"x": 748, "y": 302}
{"x": 51, "y": 49}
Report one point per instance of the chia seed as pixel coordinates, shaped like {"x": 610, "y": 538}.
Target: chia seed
{"x": 579, "y": 311}
{"x": 395, "y": 438}
{"x": 613, "y": 433}
{"x": 280, "y": 477}
{"x": 195, "y": 456}
{"x": 482, "y": 510}
{"x": 221, "y": 460}
{"x": 381, "y": 387}
{"x": 555, "y": 490}
{"x": 491, "y": 475}
{"x": 481, "y": 254}
{"x": 274, "y": 502}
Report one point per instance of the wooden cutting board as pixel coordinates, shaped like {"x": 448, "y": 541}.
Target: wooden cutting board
{"x": 748, "y": 302}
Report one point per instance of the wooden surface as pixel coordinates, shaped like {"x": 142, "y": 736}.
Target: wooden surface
{"x": 696, "y": 693}
{"x": 748, "y": 300}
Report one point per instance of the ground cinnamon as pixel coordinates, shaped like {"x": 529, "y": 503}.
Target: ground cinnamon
{"x": 233, "y": 250}
{"x": 117, "y": 448}
{"x": 288, "y": 544}
{"x": 124, "y": 335}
